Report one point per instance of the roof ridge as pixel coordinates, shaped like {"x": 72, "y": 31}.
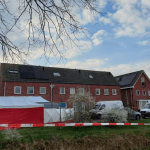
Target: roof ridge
{"x": 57, "y": 67}
{"x": 129, "y": 73}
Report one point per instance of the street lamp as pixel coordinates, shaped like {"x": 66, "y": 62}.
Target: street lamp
{"x": 51, "y": 90}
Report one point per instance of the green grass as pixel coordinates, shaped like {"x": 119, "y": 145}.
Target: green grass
{"x": 47, "y": 133}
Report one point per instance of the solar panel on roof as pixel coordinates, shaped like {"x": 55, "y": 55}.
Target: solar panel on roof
{"x": 29, "y": 72}
{"x": 40, "y": 74}
{"x": 26, "y": 72}
{"x": 126, "y": 80}
{"x": 117, "y": 79}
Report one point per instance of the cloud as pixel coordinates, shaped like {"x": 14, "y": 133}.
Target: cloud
{"x": 97, "y": 34}
{"x": 96, "y": 38}
{"x": 90, "y": 64}
{"x": 98, "y": 64}
{"x": 97, "y": 41}
{"x": 143, "y": 42}
{"x": 145, "y": 3}
{"x": 132, "y": 18}
{"x": 127, "y": 68}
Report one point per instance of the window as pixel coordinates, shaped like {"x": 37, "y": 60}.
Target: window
{"x": 143, "y": 82}
{"x": 97, "y": 91}
{"x": 144, "y": 93}
{"x": 137, "y": 92}
{"x": 30, "y": 90}
{"x": 56, "y": 74}
{"x": 72, "y": 90}
{"x": 62, "y": 90}
{"x": 42, "y": 90}
{"x": 114, "y": 92}
{"x": 148, "y": 93}
{"x": 81, "y": 91}
{"x": 102, "y": 107}
{"x": 79, "y": 106}
{"x": 13, "y": 71}
{"x": 90, "y": 76}
{"x": 106, "y": 92}
{"x": 17, "y": 90}
{"x": 63, "y": 105}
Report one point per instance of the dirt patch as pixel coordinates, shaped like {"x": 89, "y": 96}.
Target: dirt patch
{"x": 113, "y": 142}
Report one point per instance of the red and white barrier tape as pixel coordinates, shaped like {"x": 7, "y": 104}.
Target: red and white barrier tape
{"x": 4, "y": 126}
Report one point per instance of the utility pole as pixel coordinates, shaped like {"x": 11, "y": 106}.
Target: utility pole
{"x": 51, "y": 92}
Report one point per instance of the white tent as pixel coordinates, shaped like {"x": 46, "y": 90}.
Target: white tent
{"x": 20, "y": 110}
{"x": 17, "y": 102}
{"x": 36, "y": 99}
{"x": 53, "y": 115}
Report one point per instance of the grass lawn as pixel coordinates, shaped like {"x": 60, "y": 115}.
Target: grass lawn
{"x": 52, "y": 133}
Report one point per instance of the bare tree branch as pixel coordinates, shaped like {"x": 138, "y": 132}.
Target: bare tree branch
{"x": 52, "y": 26}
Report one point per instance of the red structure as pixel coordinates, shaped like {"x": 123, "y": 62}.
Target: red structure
{"x": 27, "y": 80}
{"x": 135, "y": 89}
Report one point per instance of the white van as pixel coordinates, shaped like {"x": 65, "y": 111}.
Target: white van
{"x": 145, "y": 111}
{"x": 102, "y": 107}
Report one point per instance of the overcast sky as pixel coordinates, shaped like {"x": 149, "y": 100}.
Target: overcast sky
{"x": 121, "y": 40}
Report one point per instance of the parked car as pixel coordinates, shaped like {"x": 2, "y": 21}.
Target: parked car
{"x": 133, "y": 114}
{"x": 145, "y": 111}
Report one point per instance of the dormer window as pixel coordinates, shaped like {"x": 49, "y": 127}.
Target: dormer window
{"x": 56, "y": 74}
{"x": 13, "y": 71}
{"x": 143, "y": 82}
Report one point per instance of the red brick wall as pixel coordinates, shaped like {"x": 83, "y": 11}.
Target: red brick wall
{"x": 127, "y": 97}
{"x": 56, "y": 91}
{"x": 131, "y": 93}
{"x": 139, "y": 87}
{"x": 0, "y": 85}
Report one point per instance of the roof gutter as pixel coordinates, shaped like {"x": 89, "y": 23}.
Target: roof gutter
{"x": 127, "y": 87}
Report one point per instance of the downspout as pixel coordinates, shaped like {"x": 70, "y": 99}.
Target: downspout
{"x": 127, "y": 98}
{"x": 51, "y": 92}
{"x": 5, "y": 88}
{"x": 132, "y": 98}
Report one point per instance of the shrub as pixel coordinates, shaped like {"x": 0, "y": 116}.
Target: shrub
{"x": 11, "y": 135}
{"x": 115, "y": 115}
{"x": 82, "y": 103}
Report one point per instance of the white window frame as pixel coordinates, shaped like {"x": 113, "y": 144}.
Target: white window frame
{"x": 75, "y": 107}
{"x": 136, "y": 93}
{"x": 80, "y": 91}
{"x": 143, "y": 93}
{"x": 98, "y": 91}
{"x": 107, "y": 91}
{"x": 60, "y": 90}
{"x": 15, "y": 91}
{"x": 143, "y": 81}
{"x": 115, "y": 92}
{"x": 148, "y": 93}
{"x": 41, "y": 88}
{"x": 73, "y": 91}
{"x": 33, "y": 90}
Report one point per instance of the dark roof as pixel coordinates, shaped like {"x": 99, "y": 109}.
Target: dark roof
{"x": 29, "y": 73}
{"x": 129, "y": 79}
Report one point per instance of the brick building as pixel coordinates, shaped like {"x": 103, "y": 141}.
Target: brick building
{"x": 28, "y": 80}
{"x": 135, "y": 89}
